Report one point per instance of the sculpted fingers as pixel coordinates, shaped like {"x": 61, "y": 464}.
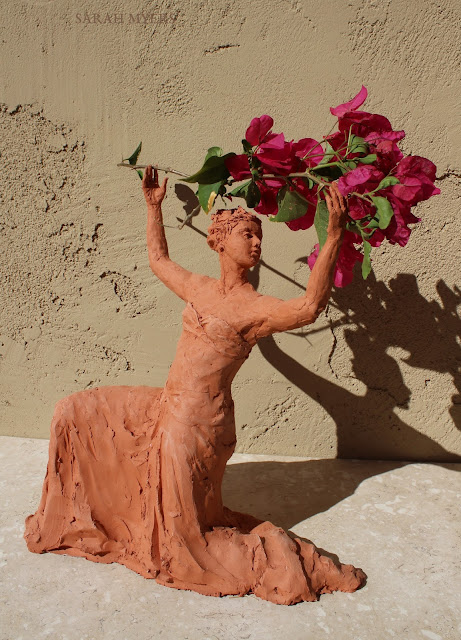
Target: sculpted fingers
{"x": 337, "y": 209}
{"x": 334, "y": 197}
{"x": 340, "y": 198}
{"x": 153, "y": 192}
{"x": 147, "y": 182}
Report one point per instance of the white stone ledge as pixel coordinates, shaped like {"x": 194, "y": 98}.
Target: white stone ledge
{"x": 398, "y": 521}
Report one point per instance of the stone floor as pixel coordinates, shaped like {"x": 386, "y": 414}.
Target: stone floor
{"x": 400, "y": 522}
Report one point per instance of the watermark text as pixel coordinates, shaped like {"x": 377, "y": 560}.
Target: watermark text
{"x": 154, "y": 17}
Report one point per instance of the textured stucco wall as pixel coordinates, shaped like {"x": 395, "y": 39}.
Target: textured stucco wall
{"x": 378, "y": 375}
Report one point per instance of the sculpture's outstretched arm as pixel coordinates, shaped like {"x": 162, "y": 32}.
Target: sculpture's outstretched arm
{"x": 181, "y": 281}
{"x": 282, "y": 315}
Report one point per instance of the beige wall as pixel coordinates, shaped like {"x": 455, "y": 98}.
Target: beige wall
{"x": 376, "y": 376}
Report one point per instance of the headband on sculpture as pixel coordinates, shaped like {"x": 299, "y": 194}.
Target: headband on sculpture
{"x": 233, "y": 216}
{"x": 224, "y": 220}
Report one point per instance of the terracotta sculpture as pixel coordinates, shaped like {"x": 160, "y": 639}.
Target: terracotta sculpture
{"x": 134, "y": 473}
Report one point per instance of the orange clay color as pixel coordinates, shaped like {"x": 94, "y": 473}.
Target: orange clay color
{"x": 134, "y": 473}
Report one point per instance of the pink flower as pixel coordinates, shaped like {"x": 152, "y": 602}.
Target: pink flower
{"x": 267, "y": 206}
{"x": 398, "y": 231}
{"x": 308, "y": 147}
{"x": 272, "y": 154}
{"x": 312, "y": 259}
{"x": 337, "y": 140}
{"x": 378, "y": 134}
{"x": 276, "y": 155}
{"x": 359, "y": 208}
{"x": 375, "y": 137}
{"x": 417, "y": 176}
{"x": 357, "y": 101}
{"x": 376, "y": 239}
{"x": 363, "y": 123}
{"x": 258, "y": 130}
{"x": 347, "y": 258}
{"x": 302, "y": 187}
{"x": 363, "y": 179}
{"x": 238, "y": 167}
{"x": 307, "y": 220}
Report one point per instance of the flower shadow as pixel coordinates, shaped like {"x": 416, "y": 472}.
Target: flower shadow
{"x": 376, "y": 317}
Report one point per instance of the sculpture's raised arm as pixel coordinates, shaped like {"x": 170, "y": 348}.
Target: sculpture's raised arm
{"x": 181, "y": 281}
{"x": 282, "y": 315}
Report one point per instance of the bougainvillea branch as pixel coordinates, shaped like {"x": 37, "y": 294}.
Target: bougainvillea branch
{"x": 285, "y": 181}
{"x": 144, "y": 166}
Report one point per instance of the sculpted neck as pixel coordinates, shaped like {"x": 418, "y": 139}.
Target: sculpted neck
{"x": 233, "y": 275}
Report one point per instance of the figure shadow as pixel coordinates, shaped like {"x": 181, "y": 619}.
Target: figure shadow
{"x": 378, "y": 317}
{"x": 371, "y": 437}
{"x": 287, "y": 493}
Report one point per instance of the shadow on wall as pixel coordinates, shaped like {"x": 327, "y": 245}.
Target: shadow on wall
{"x": 381, "y": 317}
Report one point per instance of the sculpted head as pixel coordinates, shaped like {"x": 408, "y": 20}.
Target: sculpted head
{"x": 236, "y": 233}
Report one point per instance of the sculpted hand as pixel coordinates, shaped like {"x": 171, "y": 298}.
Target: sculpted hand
{"x": 338, "y": 210}
{"x": 153, "y": 193}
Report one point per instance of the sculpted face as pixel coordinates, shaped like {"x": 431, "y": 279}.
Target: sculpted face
{"x": 243, "y": 244}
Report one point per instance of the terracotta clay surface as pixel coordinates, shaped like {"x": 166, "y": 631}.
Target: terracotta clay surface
{"x": 134, "y": 473}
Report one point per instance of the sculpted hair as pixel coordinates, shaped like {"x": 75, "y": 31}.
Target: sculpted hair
{"x": 222, "y": 223}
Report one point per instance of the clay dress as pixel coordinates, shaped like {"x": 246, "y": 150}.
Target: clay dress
{"x": 134, "y": 476}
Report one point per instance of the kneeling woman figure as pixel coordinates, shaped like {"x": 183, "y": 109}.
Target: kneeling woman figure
{"x": 134, "y": 473}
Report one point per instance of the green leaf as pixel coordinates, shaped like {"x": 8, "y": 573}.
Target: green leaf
{"x": 253, "y": 195}
{"x": 213, "y": 151}
{"x": 207, "y": 194}
{"x": 352, "y": 225}
{"x": 384, "y": 211}
{"x": 366, "y": 264}
{"x": 246, "y": 146}
{"x": 373, "y": 224}
{"x": 332, "y": 172}
{"x": 351, "y": 164}
{"x": 139, "y": 172}
{"x": 372, "y": 157}
{"x": 291, "y": 205}
{"x": 214, "y": 170}
{"x": 321, "y": 220}
{"x": 357, "y": 145}
{"x": 240, "y": 191}
{"x": 134, "y": 156}
{"x": 388, "y": 181}
{"x": 304, "y": 180}
{"x": 328, "y": 155}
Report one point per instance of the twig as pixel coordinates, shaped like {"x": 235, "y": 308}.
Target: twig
{"x": 189, "y": 216}
{"x": 144, "y": 166}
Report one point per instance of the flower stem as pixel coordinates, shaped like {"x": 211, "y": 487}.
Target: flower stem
{"x": 362, "y": 196}
{"x": 304, "y": 174}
